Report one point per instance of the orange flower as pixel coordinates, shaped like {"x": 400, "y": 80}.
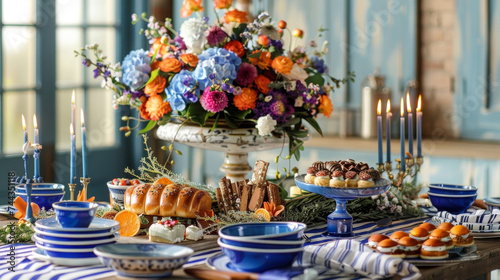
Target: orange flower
{"x": 261, "y": 82}
{"x": 246, "y": 100}
{"x": 155, "y": 86}
{"x": 144, "y": 113}
{"x": 190, "y": 6}
{"x": 190, "y": 60}
{"x": 163, "y": 48}
{"x": 282, "y": 64}
{"x": 223, "y": 4}
{"x": 170, "y": 65}
{"x": 263, "y": 62}
{"x": 236, "y": 47}
{"x": 156, "y": 108}
{"x": 155, "y": 65}
{"x": 236, "y": 16}
{"x": 325, "y": 106}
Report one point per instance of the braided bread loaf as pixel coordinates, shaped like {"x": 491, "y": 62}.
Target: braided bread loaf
{"x": 171, "y": 200}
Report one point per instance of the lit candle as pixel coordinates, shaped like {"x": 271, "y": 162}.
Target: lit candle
{"x": 410, "y": 125}
{"x": 72, "y": 175}
{"x": 379, "y": 131}
{"x": 36, "y": 154}
{"x": 25, "y": 148}
{"x": 419, "y": 126}
{"x": 402, "y": 136}
{"x": 388, "y": 129}
{"x": 84, "y": 146}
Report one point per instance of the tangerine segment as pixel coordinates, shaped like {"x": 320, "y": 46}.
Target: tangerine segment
{"x": 163, "y": 181}
{"x": 130, "y": 223}
{"x": 264, "y": 213}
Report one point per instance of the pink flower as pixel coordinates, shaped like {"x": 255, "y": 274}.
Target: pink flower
{"x": 246, "y": 74}
{"x": 215, "y": 35}
{"x": 213, "y": 101}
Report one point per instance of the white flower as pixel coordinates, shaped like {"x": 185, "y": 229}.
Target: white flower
{"x": 228, "y": 28}
{"x": 193, "y": 33}
{"x": 265, "y": 125}
{"x": 290, "y": 86}
{"x": 297, "y": 73}
{"x": 299, "y": 102}
{"x": 237, "y": 90}
{"x": 135, "y": 17}
{"x": 268, "y": 98}
{"x": 394, "y": 200}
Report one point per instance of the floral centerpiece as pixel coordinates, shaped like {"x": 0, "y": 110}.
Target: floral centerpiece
{"x": 235, "y": 69}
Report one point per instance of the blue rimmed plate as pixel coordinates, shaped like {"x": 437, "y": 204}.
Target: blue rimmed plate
{"x": 40, "y": 254}
{"x": 74, "y": 237}
{"x": 98, "y": 225}
{"x": 79, "y": 244}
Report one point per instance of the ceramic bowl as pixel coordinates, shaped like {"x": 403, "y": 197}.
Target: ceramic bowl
{"x": 77, "y": 214}
{"x": 259, "y": 260}
{"x": 263, "y": 231}
{"x": 492, "y": 203}
{"x": 41, "y": 188}
{"x": 98, "y": 227}
{"x": 43, "y": 200}
{"x": 118, "y": 192}
{"x": 265, "y": 244}
{"x": 68, "y": 253}
{"x": 143, "y": 260}
{"x": 452, "y": 189}
{"x": 74, "y": 244}
{"x": 455, "y": 204}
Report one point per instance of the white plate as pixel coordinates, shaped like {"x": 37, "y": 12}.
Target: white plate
{"x": 98, "y": 224}
{"x": 78, "y": 243}
{"x": 64, "y": 235}
{"x": 39, "y": 254}
{"x": 220, "y": 262}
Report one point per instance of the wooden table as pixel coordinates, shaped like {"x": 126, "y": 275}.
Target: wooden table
{"x": 488, "y": 249}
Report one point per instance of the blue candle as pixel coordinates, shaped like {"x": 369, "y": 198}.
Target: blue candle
{"x": 36, "y": 154}
{"x": 379, "y": 131}
{"x": 410, "y": 125}
{"x": 419, "y": 126}
{"x": 402, "y": 136}
{"x": 72, "y": 175}
{"x": 388, "y": 130}
{"x": 84, "y": 146}
{"x": 25, "y": 148}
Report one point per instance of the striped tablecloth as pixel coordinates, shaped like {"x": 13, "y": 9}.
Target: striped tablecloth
{"x": 31, "y": 269}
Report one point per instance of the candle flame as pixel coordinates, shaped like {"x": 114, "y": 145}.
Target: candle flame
{"x": 71, "y": 130}
{"x": 82, "y": 117}
{"x": 35, "y": 124}
{"x": 24, "y": 122}
{"x": 388, "y": 110}
{"x": 379, "y": 107}
{"x": 419, "y": 104}
{"x": 402, "y": 107}
{"x": 73, "y": 98}
{"x": 408, "y": 106}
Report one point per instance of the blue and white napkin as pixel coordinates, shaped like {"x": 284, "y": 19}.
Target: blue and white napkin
{"x": 479, "y": 220}
{"x": 353, "y": 257}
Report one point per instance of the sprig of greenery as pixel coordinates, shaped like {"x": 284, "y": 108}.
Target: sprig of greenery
{"x": 232, "y": 217}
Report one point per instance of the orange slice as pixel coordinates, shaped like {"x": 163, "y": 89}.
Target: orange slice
{"x": 130, "y": 223}
{"x": 163, "y": 181}
{"x": 264, "y": 213}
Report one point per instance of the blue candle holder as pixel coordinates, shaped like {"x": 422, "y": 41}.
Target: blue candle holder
{"x": 339, "y": 222}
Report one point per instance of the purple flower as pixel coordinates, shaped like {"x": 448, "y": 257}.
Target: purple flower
{"x": 276, "y": 43}
{"x": 278, "y": 107}
{"x": 246, "y": 74}
{"x": 215, "y": 36}
{"x": 133, "y": 94}
{"x": 179, "y": 43}
{"x": 96, "y": 73}
{"x": 107, "y": 74}
{"x": 213, "y": 101}
{"x": 86, "y": 62}
{"x": 319, "y": 64}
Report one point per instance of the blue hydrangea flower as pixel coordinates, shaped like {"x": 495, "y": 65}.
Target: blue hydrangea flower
{"x": 136, "y": 69}
{"x": 183, "y": 89}
{"x": 221, "y": 62}
{"x": 319, "y": 64}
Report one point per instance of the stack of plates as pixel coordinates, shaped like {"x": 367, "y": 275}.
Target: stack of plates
{"x": 73, "y": 246}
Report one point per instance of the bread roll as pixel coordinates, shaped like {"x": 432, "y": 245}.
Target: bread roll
{"x": 172, "y": 200}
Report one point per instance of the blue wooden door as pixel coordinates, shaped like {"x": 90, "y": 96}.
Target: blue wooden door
{"x": 477, "y": 66}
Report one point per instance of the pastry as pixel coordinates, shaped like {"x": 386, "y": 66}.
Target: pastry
{"x": 461, "y": 236}
{"x": 433, "y": 249}
{"x": 332, "y": 166}
{"x": 420, "y": 234}
{"x": 410, "y": 247}
{"x": 375, "y": 239}
{"x": 365, "y": 180}
{"x": 173, "y": 200}
{"x": 322, "y": 178}
{"x": 428, "y": 226}
{"x": 446, "y": 226}
{"x": 352, "y": 179}
{"x": 444, "y": 236}
{"x": 390, "y": 247}
{"x": 311, "y": 175}
{"x": 373, "y": 173}
{"x": 337, "y": 180}
{"x": 398, "y": 235}
{"x": 194, "y": 233}
{"x": 319, "y": 165}
{"x": 169, "y": 231}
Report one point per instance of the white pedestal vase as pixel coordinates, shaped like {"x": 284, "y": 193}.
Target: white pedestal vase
{"x": 235, "y": 143}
